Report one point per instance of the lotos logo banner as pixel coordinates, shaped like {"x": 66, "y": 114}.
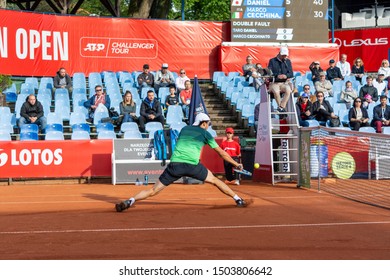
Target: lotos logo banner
{"x": 34, "y": 159}
{"x": 28, "y": 157}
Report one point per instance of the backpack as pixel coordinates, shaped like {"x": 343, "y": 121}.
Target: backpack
{"x": 164, "y": 144}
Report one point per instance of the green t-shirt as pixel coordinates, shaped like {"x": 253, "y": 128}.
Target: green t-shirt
{"x": 190, "y": 143}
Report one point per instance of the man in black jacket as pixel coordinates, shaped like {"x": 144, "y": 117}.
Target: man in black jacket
{"x": 333, "y": 73}
{"x": 32, "y": 112}
{"x": 150, "y": 111}
{"x": 381, "y": 114}
{"x": 282, "y": 71}
{"x": 62, "y": 80}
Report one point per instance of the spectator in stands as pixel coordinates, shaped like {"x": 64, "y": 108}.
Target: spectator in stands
{"x": 368, "y": 93}
{"x": 32, "y": 112}
{"x": 282, "y": 71}
{"x": 307, "y": 90}
{"x": 384, "y": 69}
{"x": 150, "y": 111}
{"x": 324, "y": 85}
{"x": 358, "y": 69}
{"x": 304, "y": 107}
{"x": 333, "y": 73}
{"x": 185, "y": 97}
{"x": 260, "y": 76}
{"x": 127, "y": 108}
{"x": 247, "y": 68}
{"x": 145, "y": 79}
{"x": 62, "y": 80}
{"x": 164, "y": 78}
{"x": 381, "y": 114}
{"x": 380, "y": 84}
{"x": 344, "y": 66}
{"x": 315, "y": 69}
{"x": 172, "y": 99}
{"x": 348, "y": 95}
{"x": 180, "y": 81}
{"x": 98, "y": 98}
{"x": 322, "y": 110}
{"x": 358, "y": 116}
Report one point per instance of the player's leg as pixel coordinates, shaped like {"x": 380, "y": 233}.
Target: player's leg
{"x": 224, "y": 189}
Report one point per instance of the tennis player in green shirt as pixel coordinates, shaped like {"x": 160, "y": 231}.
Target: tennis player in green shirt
{"x": 185, "y": 162}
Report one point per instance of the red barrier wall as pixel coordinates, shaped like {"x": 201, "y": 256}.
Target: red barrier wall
{"x": 371, "y": 44}
{"x": 233, "y": 57}
{"x": 39, "y": 159}
{"x": 33, "y": 44}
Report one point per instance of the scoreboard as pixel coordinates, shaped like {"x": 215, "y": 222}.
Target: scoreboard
{"x": 287, "y": 21}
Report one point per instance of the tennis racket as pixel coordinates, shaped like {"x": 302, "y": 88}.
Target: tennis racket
{"x": 243, "y": 172}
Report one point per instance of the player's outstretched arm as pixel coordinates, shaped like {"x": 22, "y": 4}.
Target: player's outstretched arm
{"x": 227, "y": 157}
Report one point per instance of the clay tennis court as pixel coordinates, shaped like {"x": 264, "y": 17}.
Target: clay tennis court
{"x": 188, "y": 222}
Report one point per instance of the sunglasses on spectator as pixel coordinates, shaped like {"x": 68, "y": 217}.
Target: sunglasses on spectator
{"x": 182, "y": 72}
{"x": 306, "y": 88}
{"x": 96, "y": 90}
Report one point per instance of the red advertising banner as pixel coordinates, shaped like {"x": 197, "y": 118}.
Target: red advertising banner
{"x": 33, "y": 44}
{"x": 371, "y": 44}
{"x": 233, "y": 57}
{"x": 40, "y": 159}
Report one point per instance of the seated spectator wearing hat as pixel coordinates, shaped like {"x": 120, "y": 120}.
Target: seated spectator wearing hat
{"x": 348, "y": 95}
{"x": 247, "y": 68}
{"x": 324, "y": 85}
{"x": 358, "y": 116}
{"x": 282, "y": 72}
{"x": 164, "y": 78}
{"x": 315, "y": 69}
{"x": 380, "y": 84}
{"x": 32, "y": 112}
{"x": 62, "y": 80}
{"x": 368, "y": 93}
{"x": 381, "y": 114}
{"x": 234, "y": 150}
{"x": 304, "y": 107}
{"x": 145, "y": 79}
{"x": 333, "y": 73}
{"x": 150, "y": 111}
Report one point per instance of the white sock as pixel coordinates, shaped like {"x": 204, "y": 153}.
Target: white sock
{"x": 236, "y": 197}
{"x": 132, "y": 200}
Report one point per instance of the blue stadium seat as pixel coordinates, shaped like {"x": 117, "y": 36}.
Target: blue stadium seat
{"x": 31, "y": 127}
{"x": 104, "y": 127}
{"x": 46, "y": 83}
{"x": 28, "y": 136}
{"x": 132, "y": 134}
{"x": 81, "y": 127}
{"x": 367, "y": 129}
{"x": 127, "y": 126}
{"x": 217, "y": 74}
{"x": 54, "y": 127}
{"x": 32, "y": 81}
{"x": 53, "y": 118}
{"x": 153, "y": 126}
{"x": 106, "y": 134}
{"x": 77, "y": 117}
{"x": 80, "y": 135}
{"x": 54, "y": 135}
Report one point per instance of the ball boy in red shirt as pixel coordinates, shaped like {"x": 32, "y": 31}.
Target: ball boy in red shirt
{"x": 233, "y": 149}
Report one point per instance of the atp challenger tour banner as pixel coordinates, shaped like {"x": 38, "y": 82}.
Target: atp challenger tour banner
{"x": 33, "y": 44}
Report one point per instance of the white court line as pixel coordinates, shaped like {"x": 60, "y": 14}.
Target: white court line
{"x": 189, "y": 228}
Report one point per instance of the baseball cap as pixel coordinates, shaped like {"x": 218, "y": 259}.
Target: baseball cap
{"x": 317, "y": 62}
{"x": 331, "y": 61}
{"x": 381, "y": 74}
{"x": 201, "y": 117}
{"x": 283, "y": 51}
{"x": 165, "y": 65}
{"x": 229, "y": 130}
{"x": 146, "y": 66}
{"x": 304, "y": 95}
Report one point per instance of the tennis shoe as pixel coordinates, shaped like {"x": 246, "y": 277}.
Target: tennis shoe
{"x": 237, "y": 182}
{"x": 123, "y": 205}
{"x": 241, "y": 203}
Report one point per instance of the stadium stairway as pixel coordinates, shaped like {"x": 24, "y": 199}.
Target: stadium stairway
{"x": 222, "y": 116}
